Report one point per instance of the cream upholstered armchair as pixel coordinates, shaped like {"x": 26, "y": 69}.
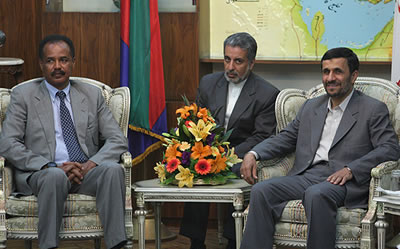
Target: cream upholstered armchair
{"x": 355, "y": 227}
{"x": 18, "y": 216}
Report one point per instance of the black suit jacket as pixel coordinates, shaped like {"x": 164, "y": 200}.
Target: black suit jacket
{"x": 253, "y": 117}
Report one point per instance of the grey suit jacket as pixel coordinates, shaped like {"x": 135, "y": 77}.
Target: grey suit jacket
{"x": 253, "y": 117}
{"x": 27, "y": 140}
{"x": 364, "y": 138}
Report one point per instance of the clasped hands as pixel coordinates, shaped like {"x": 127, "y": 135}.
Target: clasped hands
{"x": 248, "y": 171}
{"x": 76, "y": 171}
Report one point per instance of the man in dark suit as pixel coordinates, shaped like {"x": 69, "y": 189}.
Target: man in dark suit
{"x": 61, "y": 138}
{"x": 337, "y": 138}
{"x": 240, "y": 101}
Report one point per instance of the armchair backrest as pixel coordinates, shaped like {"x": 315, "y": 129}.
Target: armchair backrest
{"x": 117, "y": 99}
{"x": 290, "y": 100}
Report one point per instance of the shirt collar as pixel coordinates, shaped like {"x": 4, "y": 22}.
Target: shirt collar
{"x": 342, "y": 105}
{"x": 53, "y": 91}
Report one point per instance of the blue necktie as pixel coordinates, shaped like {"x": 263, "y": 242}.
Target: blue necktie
{"x": 69, "y": 134}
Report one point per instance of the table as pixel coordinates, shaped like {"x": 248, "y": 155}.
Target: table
{"x": 12, "y": 66}
{"x": 386, "y": 204}
{"x": 235, "y": 191}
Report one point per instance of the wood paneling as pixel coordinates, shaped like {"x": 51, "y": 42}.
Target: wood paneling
{"x": 18, "y": 20}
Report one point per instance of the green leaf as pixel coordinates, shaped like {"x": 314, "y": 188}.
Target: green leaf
{"x": 226, "y": 136}
{"x": 185, "y": 100}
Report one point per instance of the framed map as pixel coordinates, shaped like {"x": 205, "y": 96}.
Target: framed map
{"x": 300, "y": 29}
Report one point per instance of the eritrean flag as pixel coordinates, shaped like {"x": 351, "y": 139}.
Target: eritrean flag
{"x": 142, "y": 72}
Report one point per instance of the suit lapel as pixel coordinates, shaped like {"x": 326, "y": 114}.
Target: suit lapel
{"x": 349, "y": 118}
{"x": 317, "y": 124}
{"x": 44, "y": 110}
{"x": 222, "y": 91}
{"x": 79, "y": 110}
{"x": 243, "y": 101}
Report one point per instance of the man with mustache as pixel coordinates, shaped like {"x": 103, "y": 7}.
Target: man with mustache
{"x": 337, "y": 139}
{"x": 240, "y": 101}
{"x": 60, "y": 137}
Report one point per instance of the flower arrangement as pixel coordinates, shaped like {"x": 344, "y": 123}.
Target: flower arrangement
{"x": 197, "y": 150}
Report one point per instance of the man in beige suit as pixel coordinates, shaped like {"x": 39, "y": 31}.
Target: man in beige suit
{"x": 61, "y": 138}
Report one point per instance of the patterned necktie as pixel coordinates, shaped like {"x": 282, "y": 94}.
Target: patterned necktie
{"x": 69, "y": 134}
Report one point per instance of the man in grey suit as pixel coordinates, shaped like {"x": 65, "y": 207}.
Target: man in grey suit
{"x": 61, "y": 138}
{"x": 240, "y": 101}
{"x": 337, "y": 138}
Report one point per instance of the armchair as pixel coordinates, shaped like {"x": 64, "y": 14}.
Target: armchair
{"x": 18, "y": 216}
{"x": 355, "y": 227}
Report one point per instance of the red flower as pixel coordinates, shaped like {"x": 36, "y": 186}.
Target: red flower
{"x": 173, "y": 165}
{"x": 187, "y": 123}
{"x": 202, "y": 167}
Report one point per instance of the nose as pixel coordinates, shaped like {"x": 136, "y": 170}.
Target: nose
{"x": 230, "y": 65}
{"x": 57, "y": 64}
{"x": 331, "y": 76}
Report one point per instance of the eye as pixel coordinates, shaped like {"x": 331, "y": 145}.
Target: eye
{"x": 64, "y": 59}
{"x": 227, "y": 59}
{"x": 239, "y": 61}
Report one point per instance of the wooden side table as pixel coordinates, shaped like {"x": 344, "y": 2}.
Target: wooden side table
{"x": 12, "y": 66}
{"x": 236, "y": 191}
{"x": 386, "y": 204}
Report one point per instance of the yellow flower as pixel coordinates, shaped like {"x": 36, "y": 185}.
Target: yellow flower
{"x": 201, "y": 130}
{"x": 184, "y": 146}
{"x": 160, "y": 170}
{"x": 184, "y": 177}
{"x": 232, "y": 157}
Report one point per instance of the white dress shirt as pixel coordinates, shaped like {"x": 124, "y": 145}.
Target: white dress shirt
{"x": 234, "y": 90}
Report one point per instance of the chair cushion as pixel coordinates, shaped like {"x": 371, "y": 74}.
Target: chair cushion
{"x": 76, "y": 205}
{"x": 72, "y": 224}
{"x": 298, "y": 232}
{"x": 294, "y": 212}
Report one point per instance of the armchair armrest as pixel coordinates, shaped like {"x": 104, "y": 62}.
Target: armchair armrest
{"x": 274, "y": 167}
{"x": 379, "y": 175}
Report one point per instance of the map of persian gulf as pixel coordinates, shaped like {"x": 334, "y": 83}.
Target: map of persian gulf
{"x": 305, "y": 29}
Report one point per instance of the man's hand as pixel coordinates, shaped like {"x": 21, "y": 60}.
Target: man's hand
{"x": 248, "y": 170}
{"x": 73, "y": 170}
{"x": 340, "y": 177}
{"x": 87, "y": 166}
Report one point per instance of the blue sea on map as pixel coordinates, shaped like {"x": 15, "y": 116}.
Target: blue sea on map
{"x": 350, "y": 23}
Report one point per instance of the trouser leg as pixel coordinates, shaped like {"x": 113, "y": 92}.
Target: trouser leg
{"x": 107, "y": 183}
{"x": 51, "y": 187}
{"x": 267, "y": 200}
{"x": 321, "y": 202}
{"x": 195, "y": 220}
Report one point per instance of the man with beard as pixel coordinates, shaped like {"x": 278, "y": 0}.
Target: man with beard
{"x": 60, "y": 137}
{"x": 240, "y": 101}
{"x": 337, "y": 138}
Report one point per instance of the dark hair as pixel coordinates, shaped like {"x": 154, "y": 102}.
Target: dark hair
{"x": 54, "y": 39}
{"x": 348, "y": 54}
{"x": 244, "y": 41}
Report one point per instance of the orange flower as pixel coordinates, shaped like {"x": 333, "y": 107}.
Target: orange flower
{"x": 203, "y": 114}
{"x": 202, "y": 167}
{"x": 193, "y": 107}
{"x": 221, "y": 149}
{"x": 219, "y": 164}
{"x": 172, "y": 152}
{"x": 173, "y": 165}
{"x": 184, "y": 111}
{"x": 200, "y": 151}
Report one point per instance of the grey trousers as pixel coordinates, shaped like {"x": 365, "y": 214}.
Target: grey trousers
{"x": 320, "y": 200}
{"x": 106, "y": 182}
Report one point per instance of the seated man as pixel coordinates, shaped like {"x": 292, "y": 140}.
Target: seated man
{"x": 239, "y": 100}
{"x": 337, "y": 138}
{"x": 60, "y": 137}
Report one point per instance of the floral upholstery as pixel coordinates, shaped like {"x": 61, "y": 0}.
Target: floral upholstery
{"x": 18, "y": 215}
{"x": 355, "y": 227}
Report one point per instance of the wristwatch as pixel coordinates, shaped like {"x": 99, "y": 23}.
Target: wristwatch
{"x": 51, "y": 164}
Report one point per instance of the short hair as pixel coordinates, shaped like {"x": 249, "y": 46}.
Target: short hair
{"x": 244, "y": 41}
{"x": 342, "y": 52}
{"x": 54, "y": 39}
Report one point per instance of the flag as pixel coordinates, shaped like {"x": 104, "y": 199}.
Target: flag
{"x": 142, "y": 71}
{"x": 396, "y": 45}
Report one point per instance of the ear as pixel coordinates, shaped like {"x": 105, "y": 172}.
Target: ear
{"x": 251, "y": 64}
{"x": 354, "y": 76}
